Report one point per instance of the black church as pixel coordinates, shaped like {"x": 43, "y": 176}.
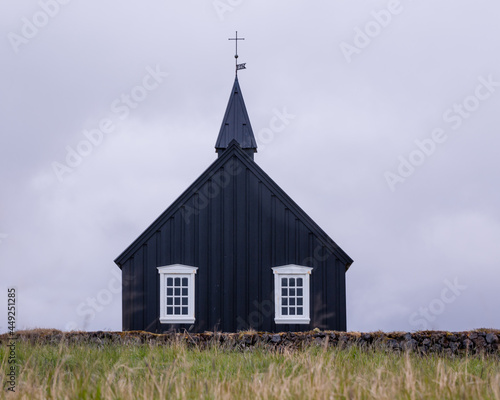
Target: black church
{"x": 234, "y": 252}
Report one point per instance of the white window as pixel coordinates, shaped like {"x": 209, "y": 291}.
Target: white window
{"x": 291, "y": 298}
{"x": 177, "y": 294}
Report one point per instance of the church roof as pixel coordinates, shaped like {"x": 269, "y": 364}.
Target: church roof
{"x": 236, "y": 124}
{"x": 235, "y": 151}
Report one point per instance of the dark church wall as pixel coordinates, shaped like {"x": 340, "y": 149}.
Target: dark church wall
{"x": 234, "y": 229}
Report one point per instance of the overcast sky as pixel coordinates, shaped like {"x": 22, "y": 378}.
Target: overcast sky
{"x": 391, "y": 143}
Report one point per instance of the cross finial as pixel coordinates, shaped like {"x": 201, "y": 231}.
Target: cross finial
{"x": 238, "y": 66}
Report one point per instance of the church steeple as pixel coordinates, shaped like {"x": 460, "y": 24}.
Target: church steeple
{"x": 236, "y": 124}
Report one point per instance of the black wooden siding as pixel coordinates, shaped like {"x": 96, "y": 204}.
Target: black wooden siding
{"x": 248, "y": 226}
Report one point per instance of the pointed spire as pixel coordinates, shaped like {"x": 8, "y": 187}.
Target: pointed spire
{"x": 236, "y": 124}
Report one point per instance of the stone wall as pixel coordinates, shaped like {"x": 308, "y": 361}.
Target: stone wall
{"x": 425, "y": 342}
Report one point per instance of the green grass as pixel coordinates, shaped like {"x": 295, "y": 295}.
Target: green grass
{"x": 117, "y": 371}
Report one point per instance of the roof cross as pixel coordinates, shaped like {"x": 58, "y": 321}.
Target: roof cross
{"x": 238, "y": 66}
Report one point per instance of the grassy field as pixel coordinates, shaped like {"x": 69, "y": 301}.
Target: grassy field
{"x": 89, "y": 371}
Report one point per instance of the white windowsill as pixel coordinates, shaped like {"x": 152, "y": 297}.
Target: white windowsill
{"x": 177, "y": 320}
{"x": 292, "y": 320}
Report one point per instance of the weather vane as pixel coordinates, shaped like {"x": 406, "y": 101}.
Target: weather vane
{"x": 238, "y": 66}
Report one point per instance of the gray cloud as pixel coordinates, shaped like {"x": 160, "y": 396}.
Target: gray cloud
{"x": 353, "y": 121}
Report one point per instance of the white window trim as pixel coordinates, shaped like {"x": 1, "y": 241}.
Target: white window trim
{"x": 298, "y": 271}
{"x": 172, "y": 271}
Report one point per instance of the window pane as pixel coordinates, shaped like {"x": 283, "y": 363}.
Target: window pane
{"x": 299, "y": 301}
{"x": 292, "y": 281}
{"x": 292, "y": 292}
{"x": 300, "y": 292}
{"x": 299, "y": 310}
{"x": 299, "y": 281}
{"x": 284, "y": 301}
{"x": 177, "y": 295}
{"x": 292, "y": 301}
{"x": 292, "y": 310}
{"x": 284, "y": 311}
{"x": 284, "y": 282}
{"x": 284, "y": 292}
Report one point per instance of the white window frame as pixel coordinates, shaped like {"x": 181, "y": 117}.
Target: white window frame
{"x": 177, "y": 271}
{"x": 291, "y": 271}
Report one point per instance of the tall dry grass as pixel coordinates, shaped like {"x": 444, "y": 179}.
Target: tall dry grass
{"x": 88, "y": 371}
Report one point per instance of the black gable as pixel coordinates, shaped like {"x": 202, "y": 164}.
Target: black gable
{"x": 210, "y": 189}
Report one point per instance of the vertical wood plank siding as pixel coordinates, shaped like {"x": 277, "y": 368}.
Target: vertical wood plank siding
{"x": 238, "y": 231}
